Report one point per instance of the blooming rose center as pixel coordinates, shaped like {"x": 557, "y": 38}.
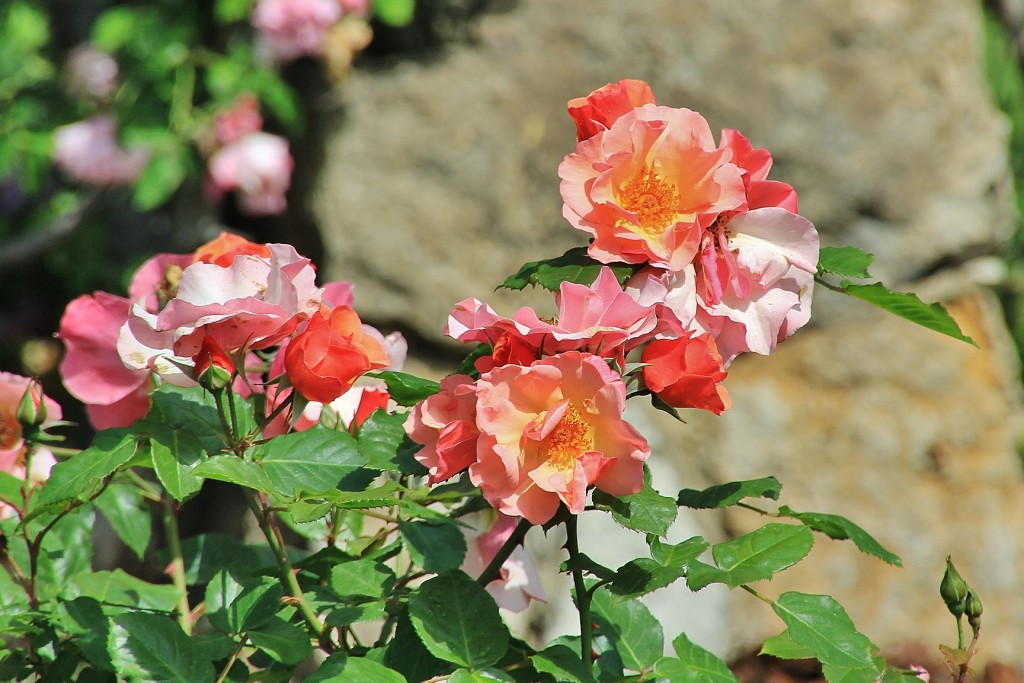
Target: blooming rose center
{"x": 653, "y": 199}
{"x": 572, "y": 437}
{"x": 10, "y": 431}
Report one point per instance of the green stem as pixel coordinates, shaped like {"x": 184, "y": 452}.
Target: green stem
{"x": 583, "y": 596}
{"x": 229, "y": 434}
{"x": 177, "y": 566}
{"x": 756, "y": 594}
{"x": 231, "y": 661}
{"x": 273, "y": 536}
{"x": 491, "y": 572}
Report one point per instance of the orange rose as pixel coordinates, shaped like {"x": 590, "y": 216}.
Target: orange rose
{"x": 329, "y": 355}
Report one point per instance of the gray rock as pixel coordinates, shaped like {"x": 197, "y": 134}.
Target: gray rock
{"x": 443, "y": 180}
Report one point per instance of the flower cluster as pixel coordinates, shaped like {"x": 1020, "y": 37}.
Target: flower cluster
{"x": 202, "y": 318}
{"x": 717, "y": 262}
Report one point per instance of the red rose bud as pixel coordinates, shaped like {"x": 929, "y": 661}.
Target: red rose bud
{"x": 214, "y": 367}
{"x": 32, "y": 408}
{"x": 370, "y": 400}
{"x": 686, "y": 373}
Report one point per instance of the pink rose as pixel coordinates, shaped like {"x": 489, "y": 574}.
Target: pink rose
{"x": 292, "y": 28}
{"x": 549, "y": 431}
{"x": 92, "y": 370}
{"x": 600, "y": 109}
{"x": 647, "y": 187}
{"x": 88, "y": 152}
{"x": 91, "y": 72}
{"x": 445, "y": 425}
{"x": 518, "y": 581}
{"x": 239, "y": 120}
{"x": 12, "y": 446}
{"x": 259, "y": 167}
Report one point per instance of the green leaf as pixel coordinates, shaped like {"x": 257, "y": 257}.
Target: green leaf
{"x": 340, "y": 668}
{"x": 118, "y": 589}
{"x": 480, "y": 676}
{"x": 907, "y": 306}
{"x": 724, "y": 495}
{"x": 10, "y": 489}
{"x": 346, "y": 615}
{"x": 176, "y": 454}
{"x": 435, "y": 547}
{"x": 207, "y": 554}
{"x": 315, "y": 460}
{"x": 160, "y": 179}
{"x": 563, "y": 663}
{"x": 647, "y": 511}
{"x": 128, "y": 515}
{"x": 630, "y": 626}
{"x": 236, "y": 606}
{"x": 406, "y": 389}
{"x": 840, "y": 528}
{"x": 572, "y": 266}
{"x": 385, "y": 445}
{"x": 113, "y": 29}
{"x": 229, "y": 11}
{"x": 79, "y": 478}
{"x": 394, "y": 12}
{"x": 151, "y": 647}
{"x": 754, "y": 556}
{"x": 696, "y": 665}
{"x": 234, "y": 470}
{"x": 407, "y": 654}
{"x": 83, "y": 619}
{"x": 844, "y": 261}
{"x": 458, "y": 621}
{"x": 284, "y": 642}
{"x": 784, "y": 647}
{"x": 679, "y": 554}
{"x": 821, "y": 624}
{"x": 643, "y": 575}
{"x": 362, "y": 578}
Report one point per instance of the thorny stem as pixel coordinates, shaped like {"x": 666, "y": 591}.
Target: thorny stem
{"x": 273, "y": 536}
{"x": 177, "y": 566}
{"x": 583, "y": 596}
{"x": 493, "y": 569}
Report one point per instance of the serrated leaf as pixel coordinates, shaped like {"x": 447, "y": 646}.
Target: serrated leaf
{"x": 407, "y": 654}
{"x": 840, "y": 528}
{"x": 120, "y": 590}
{"x": 636, "y": 635}
{"x": 844, "y": 261}
{"x": 84, "y": 620}
{"x": 822, "y": 625}
{"x": 406, "y": 389}
{"x": 385, "y": 445}
{"x": 347, "y": 615}
{"x": 458, "y": 621}
{"x": 572, "y": 266}
{"x": 362, "y": 578}
{"x": 311, "y": 461}
{"x": 128, "y": 515}
{"x": 642, "y": 576}
{"x": 340, "y": 668}
{"x": 909, "y": 307}
{"x": 695, "y": 665}
{"x": 724, "y": 495}
{"x": 236, "y": 606}
{"x": 754, "y": 556}
{"x": 150, "y": 647}
{"x": 647, "y": 511}
{"x": 784, "y": 647}
{"x": 678, "y": 554}
{"x": 176, "y": 454}
{"x": 207, "y": 554}
{"x": 284, "y": 642}
{"x": 234, "y": 470}
{"x": 82, "y": 476}
{"x": 435, "y": 547}
{"x": 563, "y": 663}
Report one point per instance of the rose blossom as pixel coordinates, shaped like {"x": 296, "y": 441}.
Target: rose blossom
{"x": 253, "y": 303}
{"x": 292, "y": 28}
{"x": 259, "y": 167}
{"x": 445, "y": 425}
{"x": 12, "y": 446}
{"x": 550, "y": 430}
{"x": 242, "y": 118}
{"x": 92, "y": 370}
{"x": 647, "y": 187}
{"x": 518, "y": 581}
{"x": 686, "y": 373}
{"x": 326, "y": 358}
{"x": 600, "y": 109}
{"x": 88, "y": 151}
{"x": 91, "y": 72}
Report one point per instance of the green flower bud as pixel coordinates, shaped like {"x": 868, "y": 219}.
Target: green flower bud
{"x": 973, "y": 610}
{"x": 954, "y": 590}
{"x": 32, "y": 408}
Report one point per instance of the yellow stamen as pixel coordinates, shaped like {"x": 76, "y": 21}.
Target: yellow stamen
{"x": 572, "y": 437}
{"x": 653, "y": 199}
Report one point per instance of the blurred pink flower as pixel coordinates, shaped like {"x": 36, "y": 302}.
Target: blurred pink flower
{"x": 240, "y": 119}
{"x": 93, "y": 372}
{"x": 292, "y": 28}
{"x": 12, "y": 446}
{"x": 550, "y": 430}
{"x": 91, "y": 72}
{"x": 518, "y": 581}
{"x": 445, "y": 425}
{"x": 647, "y": 187}
{"x": 259, "y": 167}
{"x": 88, "y": 152}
